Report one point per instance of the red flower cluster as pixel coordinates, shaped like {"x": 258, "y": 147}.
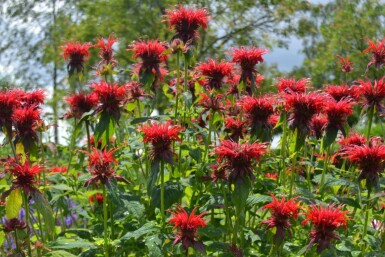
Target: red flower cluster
{"x": 59, "y": 169}
{"x": 81, "y": 103}
{"x": 236, "y": 128}
{"x": 186, "y": 22}
{"x": 238, "y": 158}
{"x": 161, "y": 135}
{"x": 346, "y": 64}
{"x": 325, "y": 221}
{"x": 9, "y": 101}
{"x": 24, "y": 175}
{"x": 215, "y": 72}
{"x": 352, "y": 140}
{"x": 340, "y": 92}
{"x": 318, "y": 125}
{"x": 290, "y": 85}
{"x": 105, "y": 50}
{"x": 25, "y": 121}
{"x": 96, "y": 198}
{"x": 281, "y": 213}
{"x": 187, "y": 227}
{"x": 373, "y": 94}
{"x": 111, "y": 97}
{"x": 337, "y": 114}
{"x": 101, "y": 166}
{"x": 34, "y": 98}
{"x": 77, "y": 54}
{"x": 378, "y": 53}
{"x": 13, "y": 225}
{"x": 135, "y": 91}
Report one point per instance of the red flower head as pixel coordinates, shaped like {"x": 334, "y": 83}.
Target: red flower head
{"x": 302, "y": 108}
{"x": 236, "y": 128}
{"x": 218, "y": 173}
{"x": 9, "y": 101}
{"x": 186, "y": 22}
{"x": 318, "y": 125}
{"x": 340, "y": 92}
{"x": 96, "y": 198}
{"x": 13, "y": 225}
{"x": 352, "y": 140}
{"x": 378, "y": 53}
{"x": 215, "y": 72}
{"x": 101, "y": 166}
{"x": 81, "y": 103}
{"x": 239, "y": 158}
{"x": 258, "y": 111}
{"x": 77, "y": 55}
{"x": 346, "y": 64}
{"x": 33, "y": 98}
{"x": 369, "y": 159}
{"x": 337, "y": 114}
{"x": 325, "y": 220}
{"x": 111, "y": 97}
{"x": 213, "y": 103}
{"x": 25, "y": 121}
{"x": 290, "y": 85}
{"x": 161, "y": 135}
{"x": 105, "y": 50}
{"x": 281, "y": 214}
{"x": 151, "y": 53}
{"x": 59, "y": 169}
{"x": 247, "y": 59}
{"x": 135, "y": 91}
{"x": 373, "y": 94}
{"x": 187, "y": 227}
{"x": 24, "y": 175}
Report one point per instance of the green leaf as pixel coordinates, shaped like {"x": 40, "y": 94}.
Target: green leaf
{"x": 147, "y": 228}
{"x": 330, "y": 137}
{"x": 80, "y": 232}
{"x": 13, "y": 204}
{"x": 154, "y": 244}
{"x": 106, "y": 125}
{"x": 113, "y": 193}
{"x": 253, "y": 200}
{"x": 154, "y": 173}
{"x": 173, "y": 191}
{"x": 240, "y": 194}
{"x": 59, "y": 253}
{"x": 64, "y": 243}
{"x": 45, "y": 209}
{"x": 134, "y": 208}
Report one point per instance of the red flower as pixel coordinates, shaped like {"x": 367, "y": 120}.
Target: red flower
{"x": 187, "y": 227}
{"x": 161, "y": 135}
{"x": 340, "y": 92}
{"x": 25, "y": 121}
{"x": 378, "y": 53}
{"x": 96, "y": 197}
{"x": 135, "y": 91}
{"x": 239, "y": 158}
{"x": 247, "y": 59}
{"x": 59, "y": 169}
{"x": 325, "y": 220}
{"x": 151, "y": 53}
{"x": 369, "y": 159}
{"x": 346, "y": 64}
{"x": 258, "y": 111}
{"x": 111, "y": 97}
{"x": 213, "y": 103}
{"x": 318, "y": 125}
{"x": 271, "y": 175}
{"x": 337, "y": 114}
{"x": 33, "y": 98}
{"x": 9, "y": 101}
{"x": 351, "y": 140}
{"x": 186, "y": 22}
{"x": 215, "y": 72}
{"x": 81, "y": 103}
{"x": 373, "y": 94}
{"x": 24, "y": 175}
{"x": 105, "y": 50}
{"x": 77, "y": 55}
{"x": 218, "y": 173}
{"x": 236, "y": 128}
{"x": 13, "y": 225}
{"x": 281, "y": 213}
{"x": 101, "y": 166}
{"x": 290, "y": 85}
{"x": 302, "y": 108}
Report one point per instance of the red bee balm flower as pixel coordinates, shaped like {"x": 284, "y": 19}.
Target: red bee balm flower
{"x": 33, "y": 98}
{"x": 136, "y": 91}
{"x": 111, "y": 97}
{"x": 378, "y": 53}
{"x": 236, "y": 127}
{"x": 77, "y": 55}
{"x": 302, "y": 108}
{"x": 161, "y": 135}
{"x": 239, "y": 158}
{"x": 318, "y": 125}
{"x": 187, "y": 226}
{"x": 105, "y": 50}
{"x": 373, "y": 94}
{"x": 151, "y": 53}
{"x": 340, "y": 92}
{"x": 346, "y": 64}
{"x": 351, "y": 140}
{"x": 25, "y": 121}
{"x": 186, "y": 22}
{"x": 290, "y": 86}
{"x": 80, "y": 104}
{"x": 24, "y": 175}
{"x": 337, "y": 114}
{"x": 213, "y": 103}
{"x": 9, "y": 101}
{"x": 215, "y": 72}
{"x": 101, "y": 164}
{"x": 325, "y": 220}
{"x": 369, "y": 159}
{"x": 247, "y": 59}
{"x": 281, "y": 213}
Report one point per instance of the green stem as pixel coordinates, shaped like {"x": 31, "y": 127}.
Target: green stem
{"x": 326, "y": 163}
{"x": 282, "y": 175}
{"x": 139, "y": 110}
{"x": 293, "y": 165}
{"x": 227, "y": 215}
{"x": 26, "y": 207}
{"x": 16, "y": 242}
{"x": 370, "y": 120}
{"x": 162, "y": 193}
{"x": 177, "y": 86}
{"x": 72, "y": 145}
{"x": 88, "y": 137}
{"x": 105, "y": 217}
{"x": 211, "y": 118}
{"x": 367, "y": 209}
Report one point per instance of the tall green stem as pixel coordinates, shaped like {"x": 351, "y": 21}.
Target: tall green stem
{"x": 162, "y": 193}
{"x": 105, "y": 217}
{"x": 282, "y": 175}
{"x": 72, "y": 145}
{"x": 211, "y": 118}
{"x": 88, "y": 136}
{"x": 367, "y": 210}
{"x": 26, "y": 207}
{"x": 177, "y": 86}
{"x": 370, "y": 120}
